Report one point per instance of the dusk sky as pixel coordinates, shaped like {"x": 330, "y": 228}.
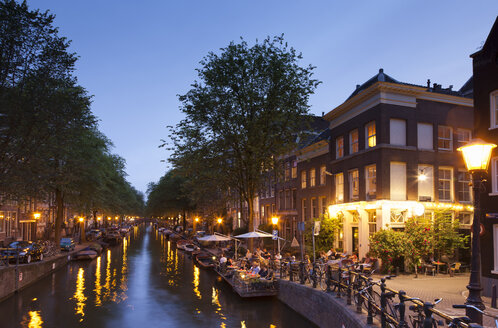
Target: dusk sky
{"x": 136, "y": 56}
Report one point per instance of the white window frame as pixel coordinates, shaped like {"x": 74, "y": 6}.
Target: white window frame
{"x": 339, "y": 188}
{"x": 369, "y": 177}
{"x": 354, "y": 181}
{"x": 312, "y": 178}
{"x": 493, "y": 110}
{"x": 495, "y": 248}
{"x": 494, "y": 176}
{"x": 354, "y": 145}
{"x": 428, "y": 171}
{"x": 339, "y": 151}
{"x": 461, "y": 140}
{"x": 303, "y": 179}
{"x": 314, "y": 208}
{"x": 450, "y": 139}
{"x": 451, "y": 191}
{"x": 294, "y": 170}
{"x": 369, "y": 135}
{"x": 461, "y": 183}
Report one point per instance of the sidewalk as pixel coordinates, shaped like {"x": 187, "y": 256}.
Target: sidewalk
{"x": 453, "y": 290}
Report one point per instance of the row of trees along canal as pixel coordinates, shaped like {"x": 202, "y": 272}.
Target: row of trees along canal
{"x": 247, "y": 110}
{"x": 50, "y": 145}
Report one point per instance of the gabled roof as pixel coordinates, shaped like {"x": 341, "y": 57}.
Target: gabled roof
{"x": 380, "y": 77}
{"x": 494, "y": 31}
{"x": 467, "y": 88}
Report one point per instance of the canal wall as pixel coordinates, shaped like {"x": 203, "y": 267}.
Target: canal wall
{"x": 323, "y": 309}
{"x": 13, "y": 279}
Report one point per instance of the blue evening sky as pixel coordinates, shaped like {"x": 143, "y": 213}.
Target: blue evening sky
{"x": 136, "y": 56}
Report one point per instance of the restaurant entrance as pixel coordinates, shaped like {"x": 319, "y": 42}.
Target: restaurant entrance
{"x": 354, "y": 232}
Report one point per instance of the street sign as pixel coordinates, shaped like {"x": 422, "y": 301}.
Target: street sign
{"x": 316, "y": 228}
{"x": 274, "y": 235}
{"x": 300, "y": 226}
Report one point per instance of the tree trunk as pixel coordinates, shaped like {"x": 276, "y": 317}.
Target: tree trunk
{"x": 95, "y": 221}
{"x": 59, "y": 218}
{"x": 184, "y": 222}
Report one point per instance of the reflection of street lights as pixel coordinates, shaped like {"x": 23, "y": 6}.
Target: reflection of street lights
{"x": 476, "y": 155}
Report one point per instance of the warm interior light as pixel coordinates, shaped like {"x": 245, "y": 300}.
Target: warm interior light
{"x": 476, "y": 155}
{"x": 36, "y": 215}
{"x": 274, "y": 220}
{"x": 196, "y": 219}
{"x": 99, "y": 218}
{"x": 81, "y": 219}
{"x": 422, "y": 176}
{"x": 219, "y": 220}
{"x": 108, "y": 218}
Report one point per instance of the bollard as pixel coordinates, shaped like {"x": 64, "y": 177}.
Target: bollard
{"x": 291, "y": 273}
{"x": 328, "y": 277}
{"x": 370, "y": 307}
{"x": 402, "y": 309}
{"x": 313, "y": 275}
{"x": 301, "y": 272}
{"x": 348, "y": 299}
{"x": 493, "y": 297}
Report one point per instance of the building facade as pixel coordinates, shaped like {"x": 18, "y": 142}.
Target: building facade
{"x": 393, "y": 156}
{"x": 485, "y": 86}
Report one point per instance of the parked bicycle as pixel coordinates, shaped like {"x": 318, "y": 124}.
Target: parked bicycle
{"x": 467, "y": 319}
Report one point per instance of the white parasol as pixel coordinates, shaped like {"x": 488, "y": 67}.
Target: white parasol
{"x": 214, "y": 238}
{"x": 255, "y": 234}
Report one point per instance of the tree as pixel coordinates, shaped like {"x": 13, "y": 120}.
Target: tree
{"x": 447, "y": 237}
{"x": 389, "y": 246}
{"x": 419, "y": 241}
{"x": 246, "y": 110}
{"x": 329, "y": 227}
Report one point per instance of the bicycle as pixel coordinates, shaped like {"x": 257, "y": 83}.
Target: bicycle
{"x": 422, "y": 318}
{"x": 466, "y": 306}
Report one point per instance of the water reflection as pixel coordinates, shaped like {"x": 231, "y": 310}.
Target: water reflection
{"x": 98, "y": 286}
{"x": 79, "y": 294}
{"x": 196, "y": 283}
{"x": 35, "y": 320}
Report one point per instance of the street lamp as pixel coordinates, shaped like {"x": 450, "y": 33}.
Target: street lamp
{"x": 36, "y": 215}
{"x": 274, "y": 221}
{"x": 82, "y": 229}
{"x": 476, "y": 155}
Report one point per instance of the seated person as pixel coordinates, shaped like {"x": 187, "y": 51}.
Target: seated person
{"x": 263, "y": 272}
{"x": 229, "y": 262}
{"x": 223, "y": 259}
{"x": 255, "y": 268}
{"x": 278, "y": 257}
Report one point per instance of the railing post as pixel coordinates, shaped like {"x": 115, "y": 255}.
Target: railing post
{"x": 313, "y": 275}
{"x": 339, "y": 282}
{"x": 402, "y": 309}
{"x": 301, "y": 272}
{"x": 350, "y": 287}
{"x": 328, "y": 277}
{"x": 428, "y": 314}
{"x": 370, "y": 307}
{"x": 291, "y": 274}
{"x": 383, "y": 303}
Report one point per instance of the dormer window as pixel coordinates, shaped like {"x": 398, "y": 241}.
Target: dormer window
{"x": 493, "y": 117}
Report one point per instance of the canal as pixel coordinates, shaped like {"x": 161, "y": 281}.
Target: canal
{"x": 145, "y": 282}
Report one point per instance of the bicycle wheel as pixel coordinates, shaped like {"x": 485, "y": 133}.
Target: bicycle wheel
{"x": 391, "y": 310}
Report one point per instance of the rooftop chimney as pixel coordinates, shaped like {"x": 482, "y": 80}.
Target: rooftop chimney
{"x": 357, "y": 86}
{"x": 381, "y": 70}
{"x": 428, "y": 83}
{"x": 323, "y": 114}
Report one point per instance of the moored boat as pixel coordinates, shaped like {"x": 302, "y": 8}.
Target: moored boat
{"x": 85, "y": 254}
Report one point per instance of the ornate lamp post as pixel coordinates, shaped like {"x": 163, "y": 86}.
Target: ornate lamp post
{"x": 274, "y": 221}
{"x": 476, "y": 155}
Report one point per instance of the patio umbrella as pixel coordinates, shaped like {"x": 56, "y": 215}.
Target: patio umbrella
{"x": 214, "y": 238}
{"x": 255, "y": 234}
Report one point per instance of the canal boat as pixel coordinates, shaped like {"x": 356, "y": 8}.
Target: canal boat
{"x": 246, "y": 285}
{"x": 85, "y": 254}
{"x": 205, "y": 262}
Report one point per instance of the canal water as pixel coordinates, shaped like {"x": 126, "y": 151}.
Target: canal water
{"x": 145, "y": 282}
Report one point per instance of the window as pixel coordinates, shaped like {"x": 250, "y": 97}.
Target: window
{"x": 294, "y": 170}
{"x": 339, "y": 147}
{"x": 287, "y": 199}
{"x": 323, "y": 205}
{"x": 494, "y": 175}
{"x": 281, "y": 199}
{"x": 493, "y": 117}
{"x": 322, "y": 175}
{"x": 371, "y": 135}
{"x": 353, "y": 141}
{"x": 424, "y": 136}
{"x": 444, "y": 184}
{"x": 339, "y": 188}
{"x": 303, "y": 179}
{"x": 371, "y": 182}
{"x": 287, "y": 171}
{"x": 262, "y": 213}
{"x": 397, "y": 134}
{"x": 425, "y": 183}
{"x": 2, "y": 219}
{"x": 464, "y": 186}
{"x": 465, "y": 219}
{"x": 398, "y": 181}
{"x": 397, "y": 216}
{"x": 314, "y": 208}
{"x": 294, "y": 199}
{"x": 354, "y": 185}
{"x": 312, "y": 178}
{"x": 372, "y": 222}
{"x": 304, "y": 209}
{"x": 444, "y": 138}
{"x": 463, "y": 137}
{"x": 272, "y": 190}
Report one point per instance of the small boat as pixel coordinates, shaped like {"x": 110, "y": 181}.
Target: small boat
{"x": 205, "y": 262}
{"x": 189, "y": 248}
{"x": 85, "y": 254}
{"x": 244, "y": 287}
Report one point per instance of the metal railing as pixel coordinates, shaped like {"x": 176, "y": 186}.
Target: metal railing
{"x": 370, "y": 297}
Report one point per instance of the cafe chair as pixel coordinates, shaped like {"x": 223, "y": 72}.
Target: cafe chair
{"x": 453, "y": 268}
{"x": 429, "y": 268}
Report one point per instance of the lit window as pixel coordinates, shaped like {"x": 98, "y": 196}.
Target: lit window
{"x": 372, "y": 222}
{"x": 353, "y": 141}
{"x": 465, "y": 219}
{"x": 312, "y": 178}
{"x": 463, "y": 137}
{"x": 444, "y": 138}
{"x": 444, "y": 184}
{"x": 339, "y": 147}
{"x": 322, "y": 175}
{"x": 303, "y": 179}
{"x": 262, "y": 213}
{"x": 371, "y": 135}
{"x": 493, "y": 102}
{"x": 323, "y": 205}
{"x": 354, "y": 185}
{"x": 294, "y": 170}
{"x": 371, "y": 181}
{"x": 494, "y": 174}
{"x": 397, "y": 216}
{"x": 425, "y": 183}
{"x": 339, "y": 188}
{"x": 464, "y": 186}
